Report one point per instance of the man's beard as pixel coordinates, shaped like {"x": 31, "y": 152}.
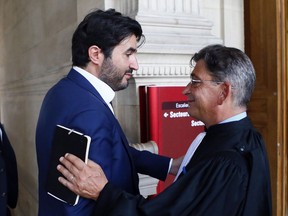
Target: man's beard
{"x": 112, "y": 76}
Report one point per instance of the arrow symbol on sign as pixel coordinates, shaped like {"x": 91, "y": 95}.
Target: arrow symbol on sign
{"x": 165, "y": 114}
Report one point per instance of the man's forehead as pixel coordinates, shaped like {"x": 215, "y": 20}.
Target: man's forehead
{"x": 128, "y": 44}
{"x": 129, "y": 40}
{"x": 199, "y": 70}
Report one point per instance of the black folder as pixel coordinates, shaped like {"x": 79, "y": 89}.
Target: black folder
{"x": 65, "y": 140}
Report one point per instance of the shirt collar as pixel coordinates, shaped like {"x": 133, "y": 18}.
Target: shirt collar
{"x": 104, "y": 90}
{"x": 235, "y": 118}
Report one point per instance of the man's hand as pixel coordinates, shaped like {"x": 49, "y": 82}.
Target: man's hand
{"x": 86, "y": 180}
{"x": 176, "y": 165}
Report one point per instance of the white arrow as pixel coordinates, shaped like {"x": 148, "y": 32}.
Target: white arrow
{"x": 165, "y": 114}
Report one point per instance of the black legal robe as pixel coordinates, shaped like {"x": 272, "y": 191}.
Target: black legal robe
{"x": 227, "y": 176}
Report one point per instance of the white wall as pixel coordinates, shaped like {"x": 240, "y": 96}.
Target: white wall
{"x": 228, "y": 20}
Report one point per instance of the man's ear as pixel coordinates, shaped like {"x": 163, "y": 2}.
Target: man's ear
{"x": 95, "y": 55}
{"x": 224, "y": 92}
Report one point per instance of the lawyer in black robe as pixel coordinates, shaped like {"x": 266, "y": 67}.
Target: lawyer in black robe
{"x": 228, "y": 175}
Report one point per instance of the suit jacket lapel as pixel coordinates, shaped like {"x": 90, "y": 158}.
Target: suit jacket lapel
{"x": 81, "y": 81}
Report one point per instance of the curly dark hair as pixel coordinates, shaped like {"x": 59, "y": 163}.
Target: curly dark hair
{"x": 105, "y": 29}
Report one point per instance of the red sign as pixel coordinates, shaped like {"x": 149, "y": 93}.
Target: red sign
{"x": 165, "y": 120}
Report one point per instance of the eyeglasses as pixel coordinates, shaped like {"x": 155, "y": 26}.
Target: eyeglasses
{"x": 197, "y": 82}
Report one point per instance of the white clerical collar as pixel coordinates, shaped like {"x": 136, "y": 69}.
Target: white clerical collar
{"x": 237, "y": 117}
{"x": 104, "y": 90}
{"x": 1, "y": 138}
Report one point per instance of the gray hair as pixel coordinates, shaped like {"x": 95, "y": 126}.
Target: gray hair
{"x": 227, "y": 64}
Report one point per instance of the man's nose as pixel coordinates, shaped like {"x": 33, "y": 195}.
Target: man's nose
{"x": 134, "y": 63}
{"x": 187, "y": 89}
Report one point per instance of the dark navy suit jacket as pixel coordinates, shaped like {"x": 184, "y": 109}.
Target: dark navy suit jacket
{"x": 75, "y": 103}
{"x": 8, "y": 175}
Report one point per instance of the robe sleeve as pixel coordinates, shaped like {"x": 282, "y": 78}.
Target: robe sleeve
{"x": 216, "y": 186}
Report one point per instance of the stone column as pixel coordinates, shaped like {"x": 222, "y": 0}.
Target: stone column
{"x": 174, "y": 30}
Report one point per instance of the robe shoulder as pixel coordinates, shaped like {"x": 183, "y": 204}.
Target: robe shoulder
{"x": 218, "y": 184}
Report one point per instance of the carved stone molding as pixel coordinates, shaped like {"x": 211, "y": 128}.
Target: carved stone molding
{"x": 174, "y": 30}
{"x": 150, "y": 146}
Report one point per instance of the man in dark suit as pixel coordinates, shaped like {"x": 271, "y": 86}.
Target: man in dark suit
{"x": 227, "y": 175}
{"x": 8, "y": 175}
{"x": 104, "y": 48}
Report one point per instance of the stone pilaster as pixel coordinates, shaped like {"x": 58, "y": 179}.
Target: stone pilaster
{"x": 174, "y": 30}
